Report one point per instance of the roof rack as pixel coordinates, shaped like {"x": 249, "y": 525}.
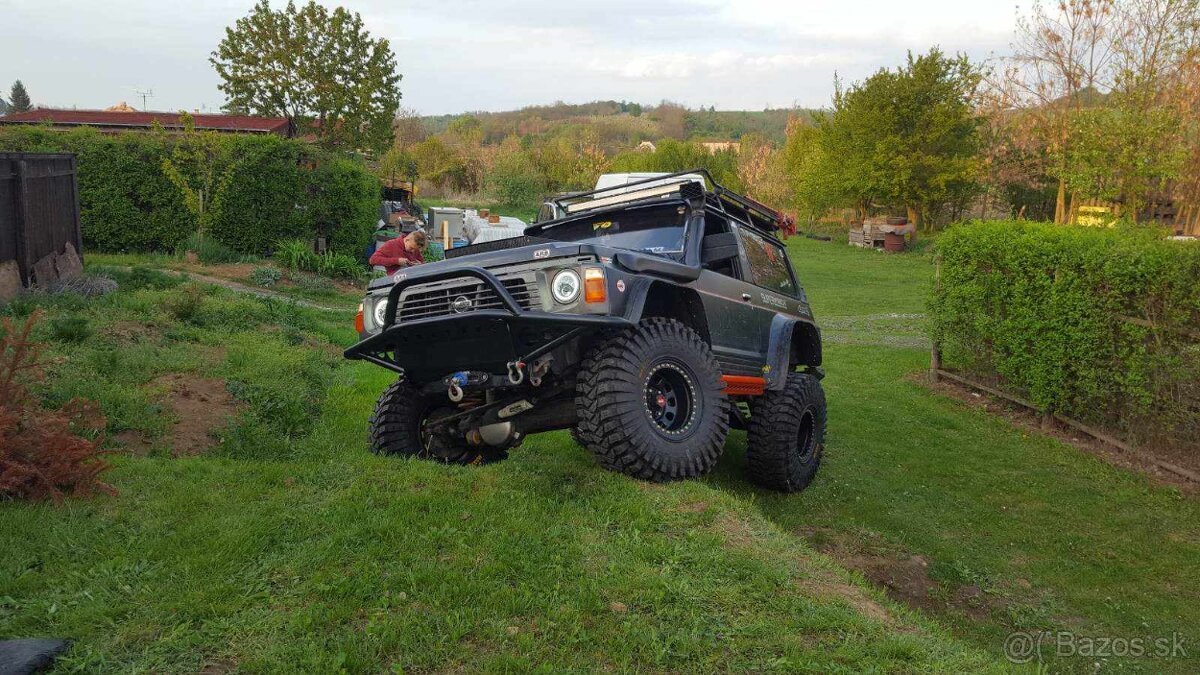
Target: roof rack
{"x": 759, "y": 215}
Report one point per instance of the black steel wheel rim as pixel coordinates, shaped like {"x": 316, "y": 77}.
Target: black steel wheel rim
{"x": 671, "y": 401}
{"x": 805, "y": 439}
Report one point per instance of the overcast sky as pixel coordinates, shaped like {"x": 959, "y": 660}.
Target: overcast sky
{"x": 457, "y": 55}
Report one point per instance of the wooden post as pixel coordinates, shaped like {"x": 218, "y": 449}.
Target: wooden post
{"x": 935, "y": 351}
{"x": 445, "y": 235}
{"x": 22, "y": 240}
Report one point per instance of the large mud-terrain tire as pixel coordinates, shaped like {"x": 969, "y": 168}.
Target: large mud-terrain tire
{"x": 651, "y": 403}
{"x": 397, "y": 425}
{"x": 787, "y": 434}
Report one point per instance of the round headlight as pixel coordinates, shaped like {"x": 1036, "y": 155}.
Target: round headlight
{"x": 379, "y": 311}
{"x": 565, "y": 287}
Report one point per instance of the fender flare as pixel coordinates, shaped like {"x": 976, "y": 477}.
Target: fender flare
{"x": 641, "y": 290}
{"x": 785, "y": 331}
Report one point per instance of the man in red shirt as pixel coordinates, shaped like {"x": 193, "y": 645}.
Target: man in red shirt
{"x": 402, "y": 251}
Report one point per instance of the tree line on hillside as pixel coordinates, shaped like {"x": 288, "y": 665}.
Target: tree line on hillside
{"x": 1096, "y": 102}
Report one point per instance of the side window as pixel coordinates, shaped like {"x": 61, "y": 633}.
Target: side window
{"x": 719, "y": 244}
{"x": 768, "y": 263}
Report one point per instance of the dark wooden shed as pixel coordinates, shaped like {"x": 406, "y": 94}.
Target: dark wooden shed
{"x": 39, "y": 214}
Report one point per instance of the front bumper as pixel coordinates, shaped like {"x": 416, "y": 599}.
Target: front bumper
{"x": 482, "y": 339}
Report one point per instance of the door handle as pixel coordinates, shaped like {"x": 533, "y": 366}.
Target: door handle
{"x": 746, "y": 297}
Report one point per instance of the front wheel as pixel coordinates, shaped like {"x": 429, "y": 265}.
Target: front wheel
{"x": 651, "y": 403}
{"x": 787, "y": 434}
{"x": 400, "y": 426}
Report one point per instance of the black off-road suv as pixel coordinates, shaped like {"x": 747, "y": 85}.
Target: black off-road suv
{"x": 649, "y": 319}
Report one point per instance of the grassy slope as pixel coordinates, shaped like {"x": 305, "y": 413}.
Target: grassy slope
{"x": 333, "y": 556}
{"x": 289, "y": 547}
{"x": 1102, "y": 551}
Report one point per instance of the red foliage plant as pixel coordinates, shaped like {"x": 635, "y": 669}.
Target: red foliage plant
{"x": 42, "y": 454}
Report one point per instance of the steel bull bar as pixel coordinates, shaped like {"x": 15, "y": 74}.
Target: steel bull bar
{"x": 485, "y": 339}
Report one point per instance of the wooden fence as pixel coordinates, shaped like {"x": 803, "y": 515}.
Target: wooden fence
{"x": 39, "y": 212}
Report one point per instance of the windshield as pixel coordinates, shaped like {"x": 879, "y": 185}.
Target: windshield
{"x": 659, "y": 230}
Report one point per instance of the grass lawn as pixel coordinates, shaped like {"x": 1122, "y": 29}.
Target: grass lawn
{"x": 286, "y": 546}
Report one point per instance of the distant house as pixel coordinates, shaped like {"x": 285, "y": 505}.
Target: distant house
{"x": 122, "y": 118}
{"x": 719, "y": 146}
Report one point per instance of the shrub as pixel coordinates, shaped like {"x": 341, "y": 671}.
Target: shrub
{"x": 70, "y": 328}
{"x": 515, "y": 180}
{"x": 208, "y": 250}
{"x": 42, "y": 454}
{"x": 342, "y": 203}
{"x": 297, "y": 255}
{"x": 265, "y": 276}
{"x": 340, "y": 266}
{"x": 1097, "y": 324}
{"x": 186, "y": 304}
{"x": 263, "y": 190}
{"x": 256, "y": 203}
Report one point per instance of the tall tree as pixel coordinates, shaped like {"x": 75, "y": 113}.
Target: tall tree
{"x": 18, "y": 99}
{"x": 1062, "y": 59}
{"x": 320, "y": 69}
{"x": 197, "y": 165}
{"x": 906, "y": 137}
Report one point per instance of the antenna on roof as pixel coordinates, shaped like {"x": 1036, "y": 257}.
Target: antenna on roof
{"x": 145, "y": 94}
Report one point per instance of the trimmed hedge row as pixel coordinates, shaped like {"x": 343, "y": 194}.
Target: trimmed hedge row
{"x": 270, "y": 188}
{"x": 1102, "y": 325}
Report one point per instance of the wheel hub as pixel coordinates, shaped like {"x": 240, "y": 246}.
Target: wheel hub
{"x": 670, "y": 398}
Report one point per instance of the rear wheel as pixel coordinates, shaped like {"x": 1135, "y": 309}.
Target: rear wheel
{"x": 400, "y": 426}
{"x": 651, "y": 403}
{"x": 787, "y": 434}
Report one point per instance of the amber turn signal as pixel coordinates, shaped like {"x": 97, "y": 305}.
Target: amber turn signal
{"x": 595, "y": 288}
{"x": 358, "y": 319}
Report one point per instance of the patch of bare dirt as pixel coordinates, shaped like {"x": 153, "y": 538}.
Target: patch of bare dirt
{"x": 133, "y": 442}
{"x": 1143, "y": 461}
{"x": 738, "y": 533}
{"x": 200, "y": 406}
{"x": 904, "y": 576}
{"x": 852, "y": 595}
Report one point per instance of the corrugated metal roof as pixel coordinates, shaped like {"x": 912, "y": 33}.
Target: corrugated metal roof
{"x": 103, "y": 118}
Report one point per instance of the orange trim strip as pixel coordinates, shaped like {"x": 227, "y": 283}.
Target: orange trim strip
{"x": 744, "y": 385}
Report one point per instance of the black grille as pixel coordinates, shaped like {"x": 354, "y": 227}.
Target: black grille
{"x": 467, "y": 296}
{"x": 498, "y": 245}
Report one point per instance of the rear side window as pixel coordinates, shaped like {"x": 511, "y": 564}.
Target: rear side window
{"x": 768, "y": 263}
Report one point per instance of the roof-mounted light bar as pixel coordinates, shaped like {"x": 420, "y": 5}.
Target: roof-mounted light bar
{"x": 636, "y": 195}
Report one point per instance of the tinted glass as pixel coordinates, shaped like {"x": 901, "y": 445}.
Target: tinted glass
{"x": 768, "y": 264}
{"x": 658, "y": 230}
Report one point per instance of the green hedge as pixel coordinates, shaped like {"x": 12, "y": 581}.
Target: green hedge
{"x": 256, "y": 205}
{"x": 342, "y": 202}
{"x": 1097, "y": 324}
{"x": 125, "y": 201}
{"x": 271, "y": 188}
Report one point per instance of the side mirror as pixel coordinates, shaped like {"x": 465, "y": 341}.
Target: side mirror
{"x": 718, "y": 247}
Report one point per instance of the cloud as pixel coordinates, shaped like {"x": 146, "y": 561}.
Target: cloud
{"x": 458, "y": 55}
{"x": 681, "y": 65}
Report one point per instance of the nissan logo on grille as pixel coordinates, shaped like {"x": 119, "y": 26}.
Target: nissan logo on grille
{"x": 461, "y": 304}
